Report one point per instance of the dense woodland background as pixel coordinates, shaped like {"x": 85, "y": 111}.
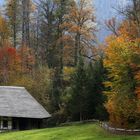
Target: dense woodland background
{"x": 50, "y": 47}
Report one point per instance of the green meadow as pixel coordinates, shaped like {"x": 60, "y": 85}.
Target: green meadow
{"x": 75, "y": 132}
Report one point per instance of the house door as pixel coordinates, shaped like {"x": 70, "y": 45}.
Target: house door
{"x": 15, "y": 124}
{"x": 23, "y": 124}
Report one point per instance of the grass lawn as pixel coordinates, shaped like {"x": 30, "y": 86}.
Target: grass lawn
{"x": 75, "y": 132}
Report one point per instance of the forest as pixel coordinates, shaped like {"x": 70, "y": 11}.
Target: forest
{"x": 50, "y": 47}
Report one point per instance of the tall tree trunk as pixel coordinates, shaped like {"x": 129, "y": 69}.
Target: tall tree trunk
{"x": 77, "y": 48}
{"x": 26, "y": 22}
{"x": 15, "y": 7}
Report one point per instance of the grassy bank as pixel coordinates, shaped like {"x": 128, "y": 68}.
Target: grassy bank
{"x": 75, "y": 132}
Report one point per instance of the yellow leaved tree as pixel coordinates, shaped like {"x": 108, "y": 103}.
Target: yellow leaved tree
{"x": 122, "y": 62}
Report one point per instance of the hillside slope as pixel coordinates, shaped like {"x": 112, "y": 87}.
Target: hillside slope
{"x": 75, "y": 132}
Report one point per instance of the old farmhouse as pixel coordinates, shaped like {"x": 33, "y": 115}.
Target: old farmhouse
{"x": 19, "y": 110}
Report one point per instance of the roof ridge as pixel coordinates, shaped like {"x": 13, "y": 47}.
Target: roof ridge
{"x": 12, "y": 87}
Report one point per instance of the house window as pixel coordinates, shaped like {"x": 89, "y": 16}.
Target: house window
{"x": 5, "y": 123}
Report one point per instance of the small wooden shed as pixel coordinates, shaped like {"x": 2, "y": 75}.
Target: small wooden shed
{"x": 19, "y": 110}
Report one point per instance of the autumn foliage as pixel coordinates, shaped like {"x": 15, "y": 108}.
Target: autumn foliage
{"x": 4, "y": 31}
{"x": 123, "y": 85}
{"x": 12, "y": 63}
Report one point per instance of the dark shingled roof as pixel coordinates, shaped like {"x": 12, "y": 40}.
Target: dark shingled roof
{"x": 17, "y": 102}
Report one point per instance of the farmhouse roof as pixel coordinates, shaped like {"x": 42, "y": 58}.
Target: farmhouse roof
{"x": 17, "y": 102}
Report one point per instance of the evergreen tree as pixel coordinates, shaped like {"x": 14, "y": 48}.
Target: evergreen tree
{"x": 86, "y": 90}
{"x": 96, "y": 98}
{"x": 79, "y": 93}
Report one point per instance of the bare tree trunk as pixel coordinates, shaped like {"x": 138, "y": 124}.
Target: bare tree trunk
{"x": 77, "y": 48}
{"x": 15, "y": 29}
{"x": 26, "y": 22}
{"x": 15, "y": 24}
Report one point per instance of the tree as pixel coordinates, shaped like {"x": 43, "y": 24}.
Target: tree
{"x": 52, "y": 43}
{"x": 134, "y": 14}
{"x": 9, "y": 62}
{"x": 27, "y": 60}
{"x": 112, "y": 26}
{"x": 83, "y": 96}
{"x": 95, "y": 97}
{"x": 26, "y": 9}
{"x": 13, "y": 14}
{"x": 4, "y": 31}
{"x": 80, "y": 26}
{"x": 121, "y": 61}
{"x": 79, "y": 97}
{"x": 47, "y": 32}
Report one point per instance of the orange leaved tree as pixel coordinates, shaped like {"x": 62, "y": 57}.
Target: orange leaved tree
{"x": 123, "y": 85}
